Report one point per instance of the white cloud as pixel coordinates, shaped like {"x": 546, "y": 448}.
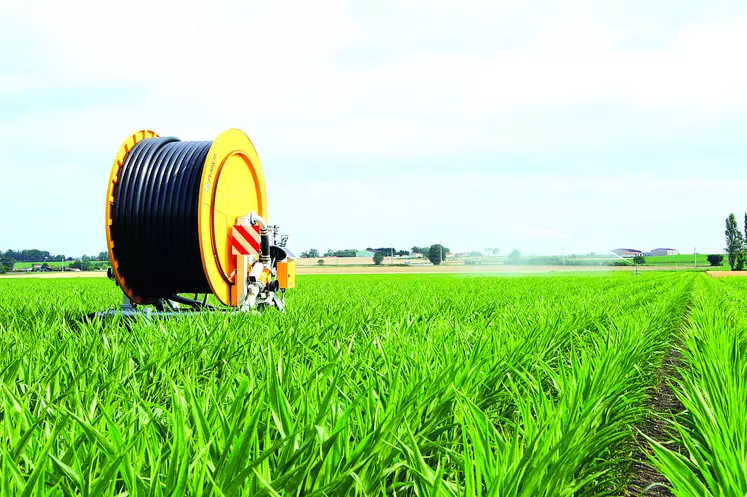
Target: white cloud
{"x": 292, "y": 67}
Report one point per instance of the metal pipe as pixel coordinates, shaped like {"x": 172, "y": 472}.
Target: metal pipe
{"x": 255, "y": 218}
{"x": 191, "y": 302}
{"x": 264, "y": 232}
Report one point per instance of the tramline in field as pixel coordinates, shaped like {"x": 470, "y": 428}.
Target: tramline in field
{"x": 190, "y": 218}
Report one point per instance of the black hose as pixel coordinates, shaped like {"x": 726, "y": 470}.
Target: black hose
{"x": 265, "y": 245}
{"x": 154, "y": 220}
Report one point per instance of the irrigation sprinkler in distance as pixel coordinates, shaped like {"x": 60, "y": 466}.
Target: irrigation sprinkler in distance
{"x": 626, "y": 260}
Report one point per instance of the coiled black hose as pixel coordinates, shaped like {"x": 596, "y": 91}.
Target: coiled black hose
{"x": 154, "y": 219}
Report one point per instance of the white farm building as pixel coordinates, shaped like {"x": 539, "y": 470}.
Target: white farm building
{"x": 664, "y": 251}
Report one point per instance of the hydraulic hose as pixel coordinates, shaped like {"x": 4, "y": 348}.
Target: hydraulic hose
{"x": 155, "y": 218}
{"x": 264, "y": 232}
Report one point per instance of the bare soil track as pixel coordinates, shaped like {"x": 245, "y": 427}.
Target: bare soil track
{"x": 726, "y": 274}
{"x": 663, "y": 404}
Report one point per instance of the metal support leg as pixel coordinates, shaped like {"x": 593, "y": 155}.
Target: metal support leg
{"x": 127, "y": 304}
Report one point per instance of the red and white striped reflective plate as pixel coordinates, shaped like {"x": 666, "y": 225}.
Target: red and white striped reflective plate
{"x": 245, "y": 240}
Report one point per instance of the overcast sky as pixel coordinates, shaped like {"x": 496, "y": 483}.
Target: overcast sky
{"x": 527, "y": 124}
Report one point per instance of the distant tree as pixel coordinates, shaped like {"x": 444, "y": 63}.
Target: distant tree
{"x": 475, "y": 253}
{"x": 715, "y": 259}
{"x": 378, "y": 258}
{"x": 310, "y": 254}
{"x": 402, "y": 252}
{"x": 329, "y": 253}
{"x": 85, "y": 258}
{"x": 6, "y": 264}
{"x": 103, "y": 256}
{"x": 419, "y": 250}
{"x": 514, "y": 257}
{"x": 639, "y": 259}
{"x": 320, "y": 262}
{"x": 734, "y": 242}
{"x": 436, "y": 253}
{"x": 346, "y": 253}
{"x": 388, "y": 251}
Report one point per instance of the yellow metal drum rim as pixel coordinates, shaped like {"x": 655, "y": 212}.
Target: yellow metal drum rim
{"x": 229, "y": 144}
{"x": 119, "y": 160}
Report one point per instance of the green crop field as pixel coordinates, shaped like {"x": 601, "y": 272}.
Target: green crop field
{"x": 679, "y": 259}
{"x": 427, "y": 385}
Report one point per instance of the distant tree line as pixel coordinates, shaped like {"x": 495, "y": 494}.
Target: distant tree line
{"x": 32, "y": 255}
{"x": 35, "y": 255}
{"x": 341, "y": 253}
{"x": 9, "y": 258}
{"x": 388, "y": 251}
{"x": 434, "y": 253}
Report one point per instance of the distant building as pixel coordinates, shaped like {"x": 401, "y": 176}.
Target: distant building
{"x": 627, "y": 252}
{"x": 364, "y": 253}
{"x": 664, "y": 251}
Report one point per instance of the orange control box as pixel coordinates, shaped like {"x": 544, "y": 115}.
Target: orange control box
{"x": 286, "y": 273}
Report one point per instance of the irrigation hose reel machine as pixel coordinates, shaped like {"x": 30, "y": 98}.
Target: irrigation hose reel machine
{"x": 190, "y": 217}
